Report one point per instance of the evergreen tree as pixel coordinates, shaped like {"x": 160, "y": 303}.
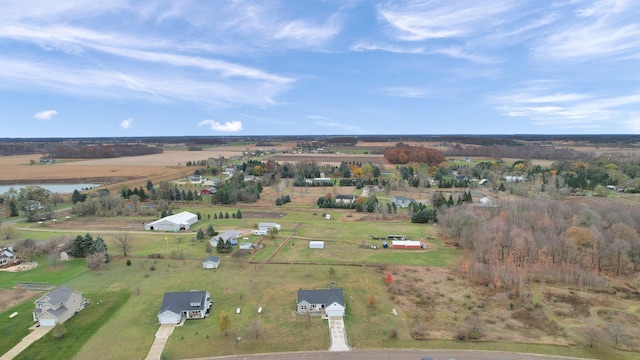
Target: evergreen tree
{"x": 13, "y": 208}
{"x": 210, "y": 230}
{"x": 149, "y": 185}
{"x": 226, "y": 215}
{"x": 238, "y": 214}
{"x": 200, "y": 235}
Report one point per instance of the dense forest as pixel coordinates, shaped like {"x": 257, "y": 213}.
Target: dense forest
{"x": 403, "y": 154}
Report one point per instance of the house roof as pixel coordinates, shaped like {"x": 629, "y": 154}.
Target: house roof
{"x": 212, "y": 258}
{"x": 178, "y": 301}
{"x": 227, "y": 235}
{"x": 57, "y": 296}
{"x": 346, "y": 197}
{"x": 179, "y": 218}
{"x": 398, "y": 198}
{"x": 322, "y": 296}
{"x": 265, "y": 224}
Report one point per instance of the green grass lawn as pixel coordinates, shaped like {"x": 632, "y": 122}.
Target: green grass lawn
{"x": 79, "y": 329}
{"x": 13, "y": 330}
{"x": 45, "y": 272}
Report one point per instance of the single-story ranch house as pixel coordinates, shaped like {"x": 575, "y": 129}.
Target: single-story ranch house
{"x": 402, "y": 201}
{"x": 268, "y": 226}
{"x": 229, "y": 235}
{"x": 178, "y": 306}
{"x": 177, "y": 222}
{"x": 329, "y": 302}
{"x": 58, "y": 306}
{"x": 212, "y": 262}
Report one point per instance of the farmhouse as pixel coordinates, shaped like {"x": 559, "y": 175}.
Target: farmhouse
{"x": 329, "y": 302}
{"x": 178, "y": 306}
{"x": 212, "y": 262}
{"x": 58, "y": 306}
{"x": 177, "y": 222}
{"x": 316, "y": 244}
{"x": 229, "y": 235}
{"x": 268, "y": 226}
{"x": 402, "y": 201}
{"x": 407, "y": 244}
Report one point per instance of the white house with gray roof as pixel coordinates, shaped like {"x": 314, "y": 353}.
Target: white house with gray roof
{"x": 178, "y": 306}
{"x": 58, "y": 306}
{"x": 329, "y": 302}
{"x": 229, "y": 235}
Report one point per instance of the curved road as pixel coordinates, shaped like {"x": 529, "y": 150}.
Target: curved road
{"x": 394, "y": 355}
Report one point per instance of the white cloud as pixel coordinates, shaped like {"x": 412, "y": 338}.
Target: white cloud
{"x": 316, "y": 117}
{"x": 45, "y": 115}
{"x": 436, "y": 19}
{"x": 126, "y": 123}
{"x": 346, "y": 127}
{"x": 407, "y": 92}
{"x": 229, "y": 126}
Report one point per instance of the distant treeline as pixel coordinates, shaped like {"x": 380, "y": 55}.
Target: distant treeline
{"x": 528, "y": 151}
{"x": 93, "y": 151}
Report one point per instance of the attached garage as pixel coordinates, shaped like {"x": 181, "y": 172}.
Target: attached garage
{"x": 169, "y": 317}
{"x": 47, "y": 322}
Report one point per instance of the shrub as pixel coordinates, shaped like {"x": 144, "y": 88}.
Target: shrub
{"x": 128, "y": 262}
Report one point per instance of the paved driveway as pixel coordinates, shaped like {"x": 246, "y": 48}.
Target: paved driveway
{"x": 338, "y": 334}
{"x": 36, "y": 334}
{"x": 162, "y": 335}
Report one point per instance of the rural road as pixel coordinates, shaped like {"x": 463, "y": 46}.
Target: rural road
{"x": 394, "y": 355}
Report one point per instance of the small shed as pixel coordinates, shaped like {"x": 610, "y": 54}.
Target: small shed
{"x": 212, "y": 262}
{"x": 245, "y": 246}
{"x": 316, "y": 244}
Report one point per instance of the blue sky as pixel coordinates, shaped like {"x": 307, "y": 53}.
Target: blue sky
{"x": 88, "y": 68}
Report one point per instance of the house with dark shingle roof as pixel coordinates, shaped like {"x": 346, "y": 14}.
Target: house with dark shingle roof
{"x": 58, "y": 306}
{"x": 329, "y": 302}
{"x": 178, "y": 306}
{"x": 402, "y": 201}
{"x": 211, "y": 262}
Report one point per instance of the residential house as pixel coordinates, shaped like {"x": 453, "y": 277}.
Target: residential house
{"x": 250, "y": 178}
{"x": 229, "y": 235}
{"x": 7, "y": 257}
{"x": 402, "y": 201}
{"x": 513, "y": 178}
{"x": 329, "y": 302}
{"x": 367, "y": 190}
{"x": 268, "y": 226}
{"x": 58, "y": 306}
{"x": 345, "y": 199}
{"x": 179, "y": 306}
{"x": 318, "y": 181}
{"x": 208, "y": 191}
{"x": 177, "y": 222}
{"x": 212, "y": 262}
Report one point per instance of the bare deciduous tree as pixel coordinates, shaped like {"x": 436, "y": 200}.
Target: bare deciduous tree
{"x": 123, "y": 240}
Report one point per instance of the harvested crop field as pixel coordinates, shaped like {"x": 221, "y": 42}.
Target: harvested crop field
{"x": 331, "y": 159}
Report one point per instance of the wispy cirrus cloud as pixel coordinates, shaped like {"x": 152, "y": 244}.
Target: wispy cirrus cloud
{"x": 407, "y": 92}
{"x": 437, "y": 19}
{"x": 45, "y": 115}
{"x": 228, "y": 126}
{"x": 545, "y": 107}
{"x": 605, "y": 29}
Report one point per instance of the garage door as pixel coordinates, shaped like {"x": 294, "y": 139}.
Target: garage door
{"x": 47, "y": 322}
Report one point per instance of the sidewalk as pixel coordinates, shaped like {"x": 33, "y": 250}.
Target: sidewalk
{"x": 36, "y": 334}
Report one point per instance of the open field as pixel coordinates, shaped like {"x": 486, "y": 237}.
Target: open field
{"x": 433, "y": 302}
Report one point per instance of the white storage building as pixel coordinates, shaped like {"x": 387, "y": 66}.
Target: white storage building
{"x": 316, "y": 244}
{"x": 176, "y": 222}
